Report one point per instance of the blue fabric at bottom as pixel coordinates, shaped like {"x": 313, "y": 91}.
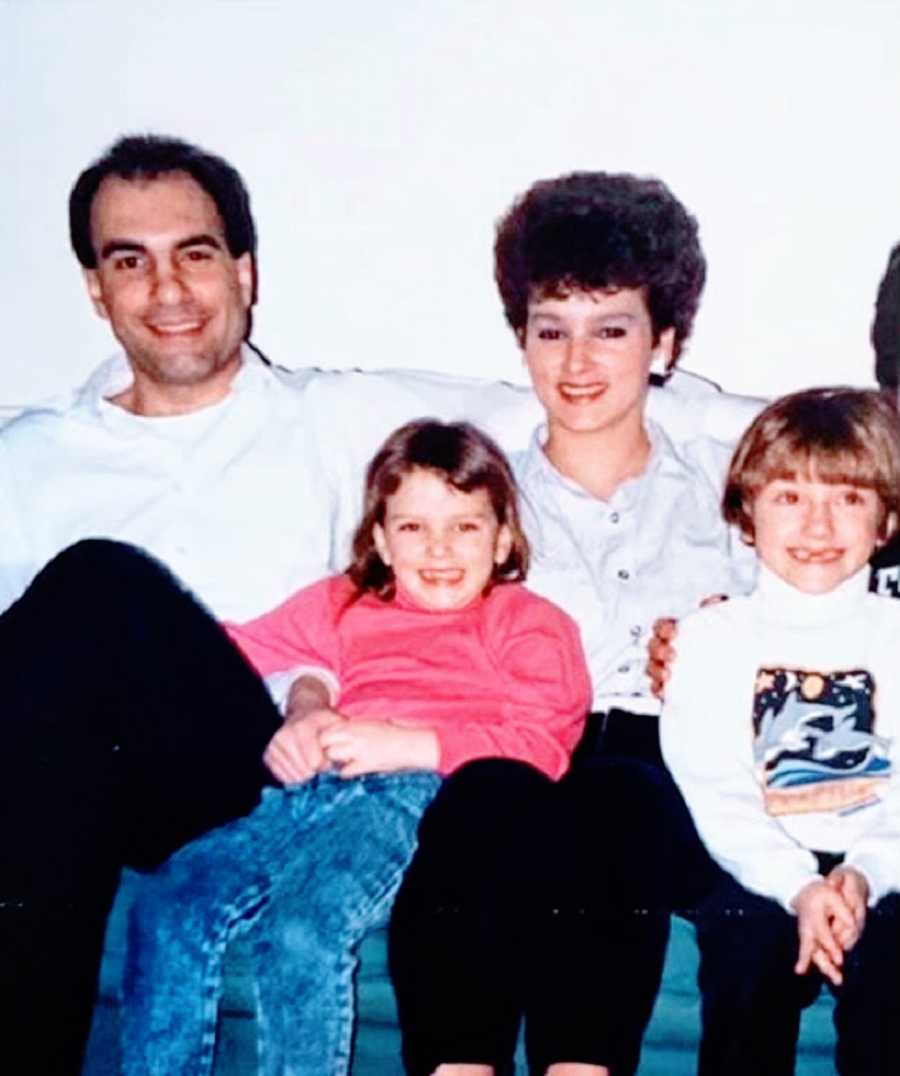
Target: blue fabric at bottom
{"x": 670, "y": 1045}
{"x": 309, "y": 872}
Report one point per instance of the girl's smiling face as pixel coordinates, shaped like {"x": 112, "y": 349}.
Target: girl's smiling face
{"x": 441, "y": 543}
{"x": 815, "y": 534}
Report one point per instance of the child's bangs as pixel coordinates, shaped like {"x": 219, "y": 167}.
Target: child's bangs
{"x": 795, "y": 461}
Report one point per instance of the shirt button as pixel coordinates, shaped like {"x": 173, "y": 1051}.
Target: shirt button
{"x": 614, "y": 517}
{"x": 624, "y": 668}
{"x": 636, "y": 631}
{"x": 623, "y": 573}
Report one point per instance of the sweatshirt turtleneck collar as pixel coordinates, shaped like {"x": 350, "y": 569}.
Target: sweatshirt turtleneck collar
{"x": 788, "y": 605}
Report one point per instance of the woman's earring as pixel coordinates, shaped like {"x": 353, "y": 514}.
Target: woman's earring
{"x": 658, "y": 364}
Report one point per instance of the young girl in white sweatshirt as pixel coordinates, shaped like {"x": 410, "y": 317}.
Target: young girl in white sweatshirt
{"x": 780, "y": 727}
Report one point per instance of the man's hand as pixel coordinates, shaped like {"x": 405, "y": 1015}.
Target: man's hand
{"x": 295, "y": 753}
{"x": 358, "y": 747}
{"x": 822, "y": 918}
{"x": 851, "y": 884}
{"x": 661, "y": 654}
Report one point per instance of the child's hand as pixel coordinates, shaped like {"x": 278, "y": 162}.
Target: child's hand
{"x": 853, "y": 887}
{"x": 822, "y": 915}
{"x": 295, "y": 753}
{"x": 358, "y": 747}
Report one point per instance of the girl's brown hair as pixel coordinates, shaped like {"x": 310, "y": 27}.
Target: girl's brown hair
{"x": 466, "y": 459}
{"x": 836, "y": 435}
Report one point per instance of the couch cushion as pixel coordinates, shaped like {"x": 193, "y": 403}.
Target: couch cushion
{"x": 669, "y": 1046}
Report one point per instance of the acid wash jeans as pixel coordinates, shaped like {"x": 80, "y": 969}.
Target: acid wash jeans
{"x": 309, "y": 872}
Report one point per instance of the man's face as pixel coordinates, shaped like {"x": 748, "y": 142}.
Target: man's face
{"x": 176, "y": 299}
{"x": 589, "y": 356}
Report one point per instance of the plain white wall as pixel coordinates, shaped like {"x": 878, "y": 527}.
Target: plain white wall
{"x": 381, "y": 140}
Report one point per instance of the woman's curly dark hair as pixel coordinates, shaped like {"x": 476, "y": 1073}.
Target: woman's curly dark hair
{"x": 590, "y": 231}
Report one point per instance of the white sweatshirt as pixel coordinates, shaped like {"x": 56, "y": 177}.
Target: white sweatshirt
{"x": 780, "y": 727}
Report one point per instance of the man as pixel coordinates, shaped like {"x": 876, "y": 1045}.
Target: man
{"x": 886, "y": 342}
{"x": 189, "y": 446}
{"x": 244, "y": 482}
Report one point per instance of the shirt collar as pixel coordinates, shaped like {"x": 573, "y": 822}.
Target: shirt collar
{"x": 538, "y": 467}
{"x": 115, "y": 375}
{"x": 791, "y": 606}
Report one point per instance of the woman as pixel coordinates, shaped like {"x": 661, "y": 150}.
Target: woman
{"x": 600, "y": 277}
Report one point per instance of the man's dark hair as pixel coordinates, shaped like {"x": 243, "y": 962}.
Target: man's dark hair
{"x": 886, "y": 326}
{"x": 147, "y": 157}
{"x": 592, "y": 231}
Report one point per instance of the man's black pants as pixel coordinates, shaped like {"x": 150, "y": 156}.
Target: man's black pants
{"x": 130, "y": 724}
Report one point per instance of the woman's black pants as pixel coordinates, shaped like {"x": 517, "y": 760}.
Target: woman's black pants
{"x": 546, "y": 899}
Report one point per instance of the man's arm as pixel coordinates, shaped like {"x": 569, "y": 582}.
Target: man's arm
{"x": 353, "y": 411}
{"x": 690, "y": 408}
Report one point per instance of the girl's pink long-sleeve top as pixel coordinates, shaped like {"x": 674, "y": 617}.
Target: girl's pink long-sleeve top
{"x": 504, "y": 677}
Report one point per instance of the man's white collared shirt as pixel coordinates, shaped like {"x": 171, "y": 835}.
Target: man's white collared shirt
{"x": 254, "y": 497}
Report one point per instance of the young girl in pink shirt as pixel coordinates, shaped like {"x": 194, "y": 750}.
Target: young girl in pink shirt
{"x": 425, "y": 655}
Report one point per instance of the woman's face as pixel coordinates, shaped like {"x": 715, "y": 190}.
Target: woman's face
{"x": 589, "y": 356}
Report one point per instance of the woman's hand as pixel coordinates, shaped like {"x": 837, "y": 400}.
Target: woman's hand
{"x": 661, "y": 654}
{"x": 660, "y": 651}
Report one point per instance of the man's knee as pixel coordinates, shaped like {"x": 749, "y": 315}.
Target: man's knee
{"x": 95, "y": 555}
{"x": 97, "y": 567}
